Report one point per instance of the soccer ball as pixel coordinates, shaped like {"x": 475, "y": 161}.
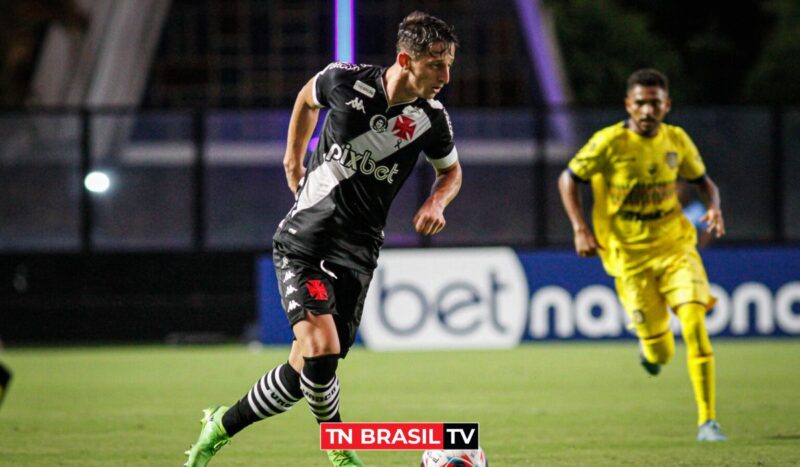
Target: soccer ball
{"x": 454, "y": 458}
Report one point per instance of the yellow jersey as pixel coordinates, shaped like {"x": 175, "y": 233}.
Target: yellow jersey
{"x": 636, "y": 212}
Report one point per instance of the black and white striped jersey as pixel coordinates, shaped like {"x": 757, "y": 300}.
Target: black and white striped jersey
{"x": 366, "y": 151}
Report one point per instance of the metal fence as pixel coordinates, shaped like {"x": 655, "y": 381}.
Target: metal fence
{"x": 212, "y": 180}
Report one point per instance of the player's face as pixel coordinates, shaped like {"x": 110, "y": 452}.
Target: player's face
{"x": 647, "y": 106}
{"x": 430, "y": 72}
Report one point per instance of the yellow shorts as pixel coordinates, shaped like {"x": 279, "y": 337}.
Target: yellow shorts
{"x": 669, "y": 280}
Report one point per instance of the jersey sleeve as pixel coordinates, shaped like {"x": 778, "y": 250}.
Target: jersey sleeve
{"x": 691, "y": 165}
{"x": 326, "y": 81}
{"x": 442, "y": 152}
{"x": 591, "y": 159}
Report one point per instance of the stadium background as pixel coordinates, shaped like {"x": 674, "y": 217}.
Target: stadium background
{"x": 185, "y": 105}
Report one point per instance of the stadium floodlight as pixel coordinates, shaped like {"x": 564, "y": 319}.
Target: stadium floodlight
{"x": 97, "y": 181}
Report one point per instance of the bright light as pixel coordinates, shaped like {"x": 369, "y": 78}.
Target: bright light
{"x": 344, "y": 31}
{"x": 97, "y": 182}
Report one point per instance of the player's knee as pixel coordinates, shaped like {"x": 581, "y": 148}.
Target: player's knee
{"x": 694, "y": 330}
{"x": 663, "y": 353}
{"x": 296, "y": 358}
{"x": 315, "y": 347}
{"x": 659, "y": 349}
{"x": 316, "y": 335}
{"x": 318, "y": 343}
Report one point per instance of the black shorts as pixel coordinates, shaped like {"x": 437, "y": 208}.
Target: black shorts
{"x": 319, "y": 287}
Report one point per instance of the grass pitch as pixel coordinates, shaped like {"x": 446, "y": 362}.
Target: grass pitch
{"x": 539, "y": 404}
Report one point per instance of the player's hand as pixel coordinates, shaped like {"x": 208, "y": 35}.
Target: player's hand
{"x": 715, "y": 222}
{"x": 585, "y": 243}
{"x": 294, "y": 178}
{"x": 429, "y": 219}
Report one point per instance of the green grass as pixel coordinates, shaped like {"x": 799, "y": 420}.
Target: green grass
{"x": 539, "y": 404}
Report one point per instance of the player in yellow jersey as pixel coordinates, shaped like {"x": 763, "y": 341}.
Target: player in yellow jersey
{"x": 642, "y": 236}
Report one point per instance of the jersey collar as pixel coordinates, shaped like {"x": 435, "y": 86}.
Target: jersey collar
{"x": 385, "y": 95}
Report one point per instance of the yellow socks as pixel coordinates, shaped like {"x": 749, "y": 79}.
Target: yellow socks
{"x": 700, "y": 359}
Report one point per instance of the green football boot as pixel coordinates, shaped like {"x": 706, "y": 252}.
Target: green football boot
{"x": 212, "y": 438}
{"x": 342, "y": 458}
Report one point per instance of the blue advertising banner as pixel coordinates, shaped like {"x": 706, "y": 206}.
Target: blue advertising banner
{"x": 757, "y": 292}
{"x": 496, "y": 297}
{"x": 273, "y": 324}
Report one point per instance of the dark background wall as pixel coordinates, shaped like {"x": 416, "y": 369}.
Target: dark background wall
{"x": 78, "y": 298}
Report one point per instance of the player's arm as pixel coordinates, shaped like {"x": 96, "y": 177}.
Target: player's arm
{"x": 585, "y": 243}
{"x": 709, "y": 194}
{"x": 429, "y": 219}
{"x": 301, "y": 126}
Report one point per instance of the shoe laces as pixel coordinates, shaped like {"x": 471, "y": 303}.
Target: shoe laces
{"x": 218, "y": 445}
{"x": 341, "y": 455}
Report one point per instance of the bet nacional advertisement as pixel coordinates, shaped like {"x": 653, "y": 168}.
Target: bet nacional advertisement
{"x": 498, "y": 297}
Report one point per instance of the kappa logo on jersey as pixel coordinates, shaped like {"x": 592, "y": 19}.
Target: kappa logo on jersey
{"x": 404, "y": 127}
{"x": 378, "y": 123}
{"x": 357, "y": 104}
{"x": 361, "y": 162}
{"x": 317, "y": 289}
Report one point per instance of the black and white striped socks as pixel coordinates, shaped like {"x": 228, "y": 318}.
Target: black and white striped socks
{"x": 320, "y": 387}
{"x": 278, "y": 390}
{"x": 275, "y": 393}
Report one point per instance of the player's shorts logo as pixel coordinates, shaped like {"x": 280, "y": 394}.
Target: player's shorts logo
{"x": 378, "y": 123}
{"x": 672, "y": 159}
{"x": 317, "y": 289}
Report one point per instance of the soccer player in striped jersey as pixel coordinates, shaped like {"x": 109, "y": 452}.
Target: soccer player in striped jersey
{"x": 642, "y": 236}
{"x": 327, "y": 246}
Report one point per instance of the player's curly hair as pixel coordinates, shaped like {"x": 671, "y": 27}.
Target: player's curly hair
{"x": 419, "y": 31}
{"x": 648, "y": 77}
